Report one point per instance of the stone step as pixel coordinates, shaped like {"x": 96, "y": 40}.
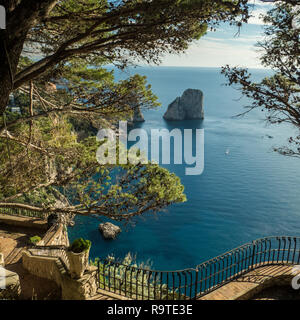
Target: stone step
{"x": 14, "y": 256}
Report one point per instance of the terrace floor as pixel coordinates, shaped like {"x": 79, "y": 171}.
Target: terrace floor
{"x": 257, "y": 284}
{"x": 13, "y": 240}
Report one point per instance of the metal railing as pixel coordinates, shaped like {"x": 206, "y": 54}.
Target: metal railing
{"x": 143, "y": 284}
{"x": 21, "y": 212}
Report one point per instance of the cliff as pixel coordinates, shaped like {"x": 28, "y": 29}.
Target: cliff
{"x": 187, "y": 107}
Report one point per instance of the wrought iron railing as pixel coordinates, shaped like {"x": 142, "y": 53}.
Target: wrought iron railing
{"x": 22, "y": 212}
{"x": 143, "y": 284}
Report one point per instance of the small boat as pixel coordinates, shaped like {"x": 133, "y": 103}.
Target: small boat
{"x": 227, "y": 152}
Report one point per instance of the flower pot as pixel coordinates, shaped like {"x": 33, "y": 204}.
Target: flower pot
{"x": 78, "y": 263}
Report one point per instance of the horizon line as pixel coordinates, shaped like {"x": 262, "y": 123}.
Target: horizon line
{"x": 210, "y": 67}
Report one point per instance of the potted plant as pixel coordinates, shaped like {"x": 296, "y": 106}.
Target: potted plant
{"x": 78, "y": 254}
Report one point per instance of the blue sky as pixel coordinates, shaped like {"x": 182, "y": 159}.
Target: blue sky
{"x": 223, "y": 47}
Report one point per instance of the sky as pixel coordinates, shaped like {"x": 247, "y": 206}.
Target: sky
{"x": 224, "y": 46}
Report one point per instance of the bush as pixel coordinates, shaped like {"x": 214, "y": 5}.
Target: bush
{"x": 34, "y": 240}
{"x": 80, "y": 245}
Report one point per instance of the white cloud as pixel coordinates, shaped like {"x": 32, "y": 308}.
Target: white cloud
{"x": 206, "y": 53}
{"x": 221, "y": 48}
{"x": 256, "y": 16}
{"x": 259, "y": 8}
{"x": 239, "y": 40}
{"x": 262, "y": 3}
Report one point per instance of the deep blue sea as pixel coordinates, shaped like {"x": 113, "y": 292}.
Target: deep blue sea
{"x": 250, "y": 193}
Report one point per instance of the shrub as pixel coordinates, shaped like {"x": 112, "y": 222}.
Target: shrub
{"x": 34, "y": 240}
{"x": 126, "y": 278}
{"x": 80, "y": 245}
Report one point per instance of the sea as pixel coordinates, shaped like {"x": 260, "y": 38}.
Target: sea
{"x": 246, "y": 191}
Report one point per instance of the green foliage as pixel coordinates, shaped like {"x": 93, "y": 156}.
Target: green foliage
{"x": 52, "y": 148}
{"x": 34, "y": 240}
{"x": 117, "y": 191}
{"x": 120, "y": 31}
{"x": 31, "y": 166}
{"x": 80, "y": 245}
{"x": 126, "y": 278}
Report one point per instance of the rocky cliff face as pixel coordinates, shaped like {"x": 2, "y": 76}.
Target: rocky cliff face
{"x": 187, "y": 107}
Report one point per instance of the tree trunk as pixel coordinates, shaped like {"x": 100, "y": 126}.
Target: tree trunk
{"x": 22, "y": 15}
{"x": 5, "y": 80}
{"x": 9, "y": 59}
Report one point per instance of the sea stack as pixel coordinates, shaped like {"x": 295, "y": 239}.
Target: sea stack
{"x": 137, "y": 115}
{"x": 187, "y": 107}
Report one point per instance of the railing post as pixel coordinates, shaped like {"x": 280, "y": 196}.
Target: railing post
{"x": 98, "y": 274}
{"x": 253, "y": 253}
{"x": 196, "y": 284}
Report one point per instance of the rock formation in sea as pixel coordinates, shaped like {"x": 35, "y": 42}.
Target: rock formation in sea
{"x": 187, "y": 107}
{"x": 109, "y": 230}
{"x": 137, "y": 116}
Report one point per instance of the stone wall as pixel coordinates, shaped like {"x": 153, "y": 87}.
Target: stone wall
{"x": 44, "y": 267}
{"x": 52, "y": 269}
{"x": 23, "y": 222}
{"x": 48, "y": 260}
{"x": 80, "y": 289}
